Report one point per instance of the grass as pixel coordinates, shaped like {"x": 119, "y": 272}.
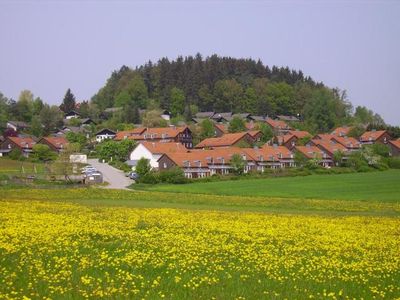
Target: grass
{"x": 16, "y": 167}
{"x": 373, "y": 186}
{"x": 75, "y": 244}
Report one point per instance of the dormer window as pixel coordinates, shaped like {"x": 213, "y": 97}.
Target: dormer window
{"x": 186, "y": 163}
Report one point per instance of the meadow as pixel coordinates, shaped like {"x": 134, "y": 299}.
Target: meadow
{"x": 379, "y": 186}
{"x": 122, "y": 244}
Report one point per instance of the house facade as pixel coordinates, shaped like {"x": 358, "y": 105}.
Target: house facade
{"x": 394, "y": 147}
{"x": 23, "y": 144}
{"x": 375, "y": 136}
{"x": 105, "y": 134}
{"x": 57, "y": 144}
{"x": 17, "y": 125}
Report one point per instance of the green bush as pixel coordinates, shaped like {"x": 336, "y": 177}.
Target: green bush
{"x": 394, "y": 162}
{"x": 173, "y": 175}
{"x": 149, "y": 178}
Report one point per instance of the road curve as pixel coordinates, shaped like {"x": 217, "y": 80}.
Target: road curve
{"x": 116, "y": 178}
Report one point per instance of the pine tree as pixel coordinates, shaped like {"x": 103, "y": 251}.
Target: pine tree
{"x": 68, "y": 103}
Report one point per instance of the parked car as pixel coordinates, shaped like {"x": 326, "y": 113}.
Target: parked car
{"x": 133, "y": 175}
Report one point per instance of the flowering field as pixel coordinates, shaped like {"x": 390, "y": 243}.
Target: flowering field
{"x": 60, "y": 249}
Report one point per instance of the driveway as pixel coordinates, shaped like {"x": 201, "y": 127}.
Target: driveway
{"x": 116, "y": 178}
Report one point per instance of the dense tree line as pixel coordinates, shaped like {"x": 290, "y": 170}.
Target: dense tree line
{"x": 190, "y": 84}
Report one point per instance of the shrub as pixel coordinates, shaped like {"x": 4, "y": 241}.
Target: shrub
{"x": 149, "y": 178}
{"x": 394, "y": 162}
{"x": 173, "y": 175}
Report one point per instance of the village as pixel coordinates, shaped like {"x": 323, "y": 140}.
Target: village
{"x": 173, "y": 146}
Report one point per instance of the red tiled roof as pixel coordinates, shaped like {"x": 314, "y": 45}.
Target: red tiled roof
{"x": 330, "y": 146}
{"x": 23, "y": 142}
{"x": 341, "y": 131}
{"x": 57, "y": 142}
{"x": 372, "y": 135}
{"x": 348, "y": 142}
{"x": 324, "y": 136}
{"x": 120, "y": 135}
{"x": 221, "y": 127}
{"x": 299, "y": 133}
{"x": 277, "y": 124}
{"x": 159, "y": 147}
{"x": 310, "y": 151}
{"x": 223, "y": 141}
{"x": 253, "y": 133}
{"x": 395, "y": 143}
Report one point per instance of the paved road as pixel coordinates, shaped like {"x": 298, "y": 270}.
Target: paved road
{"x": 116, "y": 178}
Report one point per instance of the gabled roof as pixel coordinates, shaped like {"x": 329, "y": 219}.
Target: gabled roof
{"x": 226, "y": 140}
{"x": 56, "y": 142}
{"x": 112, "y": 109}
{"x": 341, "y": 131}
{"x": 221, "y": 127}
{"x": 329, "y": 146}
{"x": 161, "y": 148}
{"x": 105, "y": 131}
{"x": 251, "y": 125}
{"x": 372, "y": 135}
{"x": 72, "y": 113}
{"x": 22, "y": 142}
{"x": 348, "y": 142}
{"x": 395, "y": 143}
{"x": 311, "y": 151}
{"x": 87, "y": 121}
{"x": 299, "y": 133}
{"x": 323, "y": 136}
{"x": 277, "y": 124}
{"x": 120, "y": 135}
{"x": 253, "y": 133}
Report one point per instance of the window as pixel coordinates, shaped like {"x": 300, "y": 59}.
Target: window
{"x": 164, "y": 165}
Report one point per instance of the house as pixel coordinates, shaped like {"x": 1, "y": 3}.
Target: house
{"x": 56, "y": 144}
{"x": 87, "y": 121}
{"x": 341, "y": 131}
{"x": 323, "y": 136}
{"x": 104, "y": 134}
{"x": 197, "y": 164}
{"x": 350, "y": 143}
{"x": 375, "y": 136}
{"x": 313, "y": 152}
{"x": 271, "y": 157}
{"x": 166, "y": 115}
{"x": 278, "y": 127}
{"x": 74, "y": 129}
{"x": 71, "y": 115}
{"x": 24, "y": 144}
{"x": 227, "y": 140}
{"x": 175, "y": 134}
{"x": 290, "y": 139}
{"x": 220, "y": 129}
{"x": 120, "y": 135}
{"x": 17, "y": 125}
{"x": 244, "y": 116}
{"x": 153, "y": 151}
{"x": 222, "y": 117}
{"x": 329, "y": 146}
{"x": 256, "y": 135}
{"x": 394, "y": 147}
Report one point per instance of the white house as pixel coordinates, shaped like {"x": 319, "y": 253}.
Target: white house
{"x": 17, "y": 125}
{"x": 166, "y": 115}
{"x": 153, "y": 151}
{"x": 71, "y": 115}
{"x": 105, "y": 134}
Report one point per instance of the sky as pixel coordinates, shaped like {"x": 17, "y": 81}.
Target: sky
{"x": 50, "y": 46}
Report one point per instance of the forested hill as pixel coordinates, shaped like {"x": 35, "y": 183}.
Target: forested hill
{"x": 222, "y": 84}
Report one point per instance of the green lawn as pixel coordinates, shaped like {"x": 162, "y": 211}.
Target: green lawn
{"x": 16, "y": 167}
{"x": 373, "y": 186}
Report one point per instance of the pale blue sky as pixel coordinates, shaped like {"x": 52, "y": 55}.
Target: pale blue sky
{"x": 49, "y": 46}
